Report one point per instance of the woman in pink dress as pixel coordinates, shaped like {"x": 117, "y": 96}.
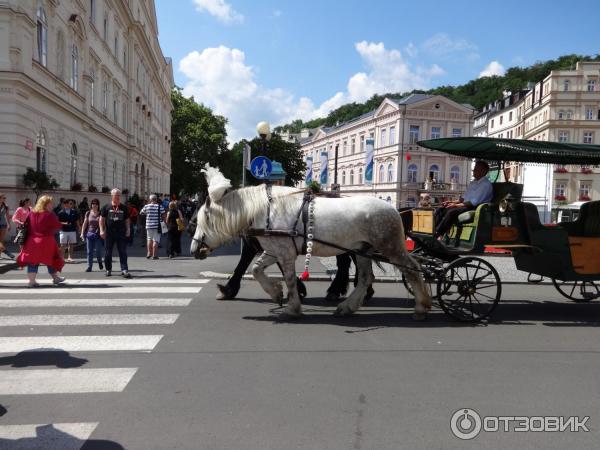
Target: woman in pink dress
{"x": 20, "y": 215}
{"x": 40, "y": 246}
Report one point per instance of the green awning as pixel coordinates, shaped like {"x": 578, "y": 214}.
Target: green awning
{"x": 520, "y": 150}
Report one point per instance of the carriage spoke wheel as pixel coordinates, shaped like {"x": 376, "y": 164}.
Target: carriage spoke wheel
{"x": 578, "y": 291}
{"x": 431, "y": 268}
{"x": 470, "y": 289}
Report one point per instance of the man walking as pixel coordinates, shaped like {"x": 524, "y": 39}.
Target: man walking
{"x": 155, "y": 214}
{"x": 115, "y": 229}
{"x": 69, "y": 219}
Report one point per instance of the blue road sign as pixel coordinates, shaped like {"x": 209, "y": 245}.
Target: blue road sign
{"x": 261, "y": 167}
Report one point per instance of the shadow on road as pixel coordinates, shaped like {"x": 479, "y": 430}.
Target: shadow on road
{"x": 43, "y": 357}
{"x": 50, "y": 437}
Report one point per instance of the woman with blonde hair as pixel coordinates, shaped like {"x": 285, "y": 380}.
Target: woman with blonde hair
{"x": 40, "y": 246}
{"x": 174, "y": 218}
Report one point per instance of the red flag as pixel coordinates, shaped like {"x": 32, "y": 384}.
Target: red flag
{"x": 408, "y": 156}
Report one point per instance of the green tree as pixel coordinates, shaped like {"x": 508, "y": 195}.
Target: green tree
{"x": 39, "y": 181}
{"x": 198, "y": 136}
{"x": 286, "y": 153}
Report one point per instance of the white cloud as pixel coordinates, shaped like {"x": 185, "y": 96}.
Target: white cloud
{"x": 220, "y": 9}
{"x": 493, "y": 68}
{"x": 220, "y": 78}
{"x": 442, "y": 45}
{"x": 411, "y": 50}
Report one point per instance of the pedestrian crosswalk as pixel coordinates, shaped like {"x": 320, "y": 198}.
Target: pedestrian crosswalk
{"x": 107, "y": 316}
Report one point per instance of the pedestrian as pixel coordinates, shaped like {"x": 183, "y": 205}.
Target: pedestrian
{"x": 83, "y": 207}
{"x": 59, "y": 206}
{"x": 114, "y": 229}
{"x": 4, "y": 224}
{"x": 141, "y": 226}
{"x": 40, "y": 246}
{"x": 69, "y": 218}
{"x": 155, "y": 215}
{"x": 133, "y": 219}
{"x": 20, "y": 215}
{"x": 174, "y": 219}
{"x": 90, "y": 234}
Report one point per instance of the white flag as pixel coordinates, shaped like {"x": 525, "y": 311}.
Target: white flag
{"x": 247, "y": 156}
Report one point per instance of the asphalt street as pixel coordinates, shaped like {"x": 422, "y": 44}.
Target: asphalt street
{"x": 157, "y": 363}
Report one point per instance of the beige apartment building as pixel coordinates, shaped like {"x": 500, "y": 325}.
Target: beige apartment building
{"x": 403, "y": 171}
{"x": 84, "y": 96}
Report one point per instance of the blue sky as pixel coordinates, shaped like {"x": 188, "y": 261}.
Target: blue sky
{"x": 278, "y": 60}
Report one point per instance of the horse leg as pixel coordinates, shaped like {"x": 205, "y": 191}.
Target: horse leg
{"x": 339, "y": 286}
{"x": 293, "y": 308}
{"x": 364, "y": 269}
{"x": 232, "y": 287}
{"x": 412, "y": 272}
{"x": 272, "y": 288}
{"x": 370, "y": 290}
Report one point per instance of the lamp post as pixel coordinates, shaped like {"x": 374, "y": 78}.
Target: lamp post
{"x": 263, "y": 129}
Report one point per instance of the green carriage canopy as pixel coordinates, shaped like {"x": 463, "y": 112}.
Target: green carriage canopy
{"x": 520, "y": 150}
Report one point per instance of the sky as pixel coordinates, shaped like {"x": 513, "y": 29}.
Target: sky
{"x": 255, "y": 60}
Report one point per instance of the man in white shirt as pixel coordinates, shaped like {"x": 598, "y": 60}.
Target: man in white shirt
{"x": 479, "y": 191}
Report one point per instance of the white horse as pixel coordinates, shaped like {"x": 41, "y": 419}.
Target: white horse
{"x": 364, "y": 224}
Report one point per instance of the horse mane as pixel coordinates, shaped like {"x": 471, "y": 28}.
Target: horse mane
{"x": 233, "y": 214}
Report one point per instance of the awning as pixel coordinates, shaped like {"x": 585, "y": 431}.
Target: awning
{"x": 492, "y": 149}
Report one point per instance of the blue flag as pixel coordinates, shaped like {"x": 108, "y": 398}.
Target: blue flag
{"x": 369, "y": 161}
{"x": 309, "y": 170}
{"x": 324, "y": 168}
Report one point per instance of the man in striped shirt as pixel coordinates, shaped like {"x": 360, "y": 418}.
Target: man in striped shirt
{"x": 155, "y": 215}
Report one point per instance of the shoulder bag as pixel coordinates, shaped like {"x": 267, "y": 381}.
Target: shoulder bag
{"x": 22, "y": 232}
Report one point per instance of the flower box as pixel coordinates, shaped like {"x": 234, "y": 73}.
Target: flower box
{"x": 586, "y": 170}
{"x": 560, "y": 198}
{"x": 560, "y": 170}
{"x": 584, "y": 198}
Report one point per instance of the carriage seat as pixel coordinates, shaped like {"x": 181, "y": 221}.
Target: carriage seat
{"x": 588, "y": 222}
{"x": 501, "y": 190}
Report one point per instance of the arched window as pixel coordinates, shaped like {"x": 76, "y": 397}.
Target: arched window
{"x": 41, "y": 152}
{"x": 114, "y": 174}
{"x": 351, "y": 176}
{"x": 42, "y": 37}
{"x": 104, "y": 170}
{"x": 74, "y": 67}
{"x": 455, "y": 174}
{"x": 92, "y": 87}
{"x": 390, "y": 173}
{"x": 434, "y": 172}
{"x": 343, "y": 177}
{"x": 73, "y": 164}
{"x": 91, "y": 169}
{"x": 360, "y": 174}
{"x": 381, "y": 174}
{"x": 412, "y": 173}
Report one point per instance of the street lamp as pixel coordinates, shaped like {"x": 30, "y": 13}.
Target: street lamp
{"x": 264, "y": 132}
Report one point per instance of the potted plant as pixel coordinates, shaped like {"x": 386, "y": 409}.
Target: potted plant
{"x": 39, "y": 181}
{"x": 77, "y": 186}
{"x": 584, "y": 198}
{"x": 586, "y": 170}
{"x": 105, "y": 189}
{"x": 560, "y": 170}
{"x": 92, "y": 188}
{"x": 560, "y": 198}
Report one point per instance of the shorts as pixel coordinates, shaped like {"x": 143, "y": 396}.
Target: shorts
{"x": 68, "y": 237}
{"x": 152, "y": 234}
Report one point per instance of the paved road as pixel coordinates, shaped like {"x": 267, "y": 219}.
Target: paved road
{"x": 157, "y": 363}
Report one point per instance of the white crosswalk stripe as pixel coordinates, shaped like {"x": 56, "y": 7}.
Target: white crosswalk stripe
{"x": 33, "y": 379}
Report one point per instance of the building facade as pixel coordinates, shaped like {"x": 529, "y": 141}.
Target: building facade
{"x": 84, "y": 96}
{"x": 402, "y": 171}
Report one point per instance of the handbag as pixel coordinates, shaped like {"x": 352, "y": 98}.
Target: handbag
{"x": 180, "y": 224}
{"x": 22, "y": 232}
{"x": 164, "y": 228}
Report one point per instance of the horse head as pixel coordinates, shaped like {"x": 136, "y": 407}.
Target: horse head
{"x": 206, "y": 234}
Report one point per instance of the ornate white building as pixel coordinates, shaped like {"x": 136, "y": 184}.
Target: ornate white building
{"x": 84, "y": 95}
{"x": 403, "y": 171}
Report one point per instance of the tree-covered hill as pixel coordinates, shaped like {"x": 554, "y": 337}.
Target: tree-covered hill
{"x": 476, "y": 92}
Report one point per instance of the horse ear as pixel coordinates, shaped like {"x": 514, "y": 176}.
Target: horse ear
{"x": 217, "y": 183}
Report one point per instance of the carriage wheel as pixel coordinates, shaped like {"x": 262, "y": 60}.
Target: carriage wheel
{"x": 470, "y": 289}
{"x": 431, "y": 268}
{"x": 578, "y": 291}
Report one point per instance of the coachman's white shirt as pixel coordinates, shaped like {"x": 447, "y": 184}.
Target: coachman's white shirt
{"x": 479, "y": 191}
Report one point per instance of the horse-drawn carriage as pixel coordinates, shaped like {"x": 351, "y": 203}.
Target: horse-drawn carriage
{"x": 468, "y": 287}
{"x": 452, "y": 270}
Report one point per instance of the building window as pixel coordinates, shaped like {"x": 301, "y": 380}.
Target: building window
{"x": 510, "y": 114}
{"x": 104, "y": 170}
{"x": 413, "y": 134}
{"x": 412, "y": 173}
{"x": 566, "y": 85}
{"x": 584, "y": 190}
{"x": 392, "y": 135}
{"x": 117, "y": 44}
{"x": 124, "y": 176}
{"x": 353, "y": 146}
{"x": 92, "y": 87}
{"x": 501, "y": 119}
{"x": 390, "y": 173}
{"x": 492, "y": 126}
{"x": 344, "y": 148}
{"x": 589, "y": 114}
{"x": 456, "y": 132}
{"x": 360, "y": 178}
{"x": 588, "y": 137}
{"x": 591, "y": 85}
{"x": 41, "y": 152}
{"x": 91, "y": 169}
{"x": 436, "y": 132}
{"x": 455, "y": 174}
{"x": 382, "y": 140}
{"x": 105, "y": 27}
{"x": 42, "y": 37}
{"x": 114, "y": 174}
{"x": 74, "y": 67}
{"x": 73, "y": 164}
{"x": 560, "y": 190}
{"x": 561, "y": 115}
{"x": 105, "y": 97}
{"x": 351, "y": 176}
{"x": 569, "y": 114}
{"x": 343, "y": 177}
{"x": 116, "y": 111}
{"x": 381, "y": 173}
{"x": 93, "y": 11}
{"x": 434, "y": 173}
{"x": 563, "y": 136}
{"x": 362, "y": 143}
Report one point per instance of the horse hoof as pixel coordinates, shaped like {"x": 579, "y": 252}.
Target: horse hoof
{"x": 419, "y": 316}
{"x": 332, "y": 298}
{"x": 288, "y": 317}
{"x": 342, "y": 311}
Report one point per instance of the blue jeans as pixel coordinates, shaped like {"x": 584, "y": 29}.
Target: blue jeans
{"x": 110, "y": 240}
{"x": 34, "y": 269}
{"x": 96, "y": 245}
